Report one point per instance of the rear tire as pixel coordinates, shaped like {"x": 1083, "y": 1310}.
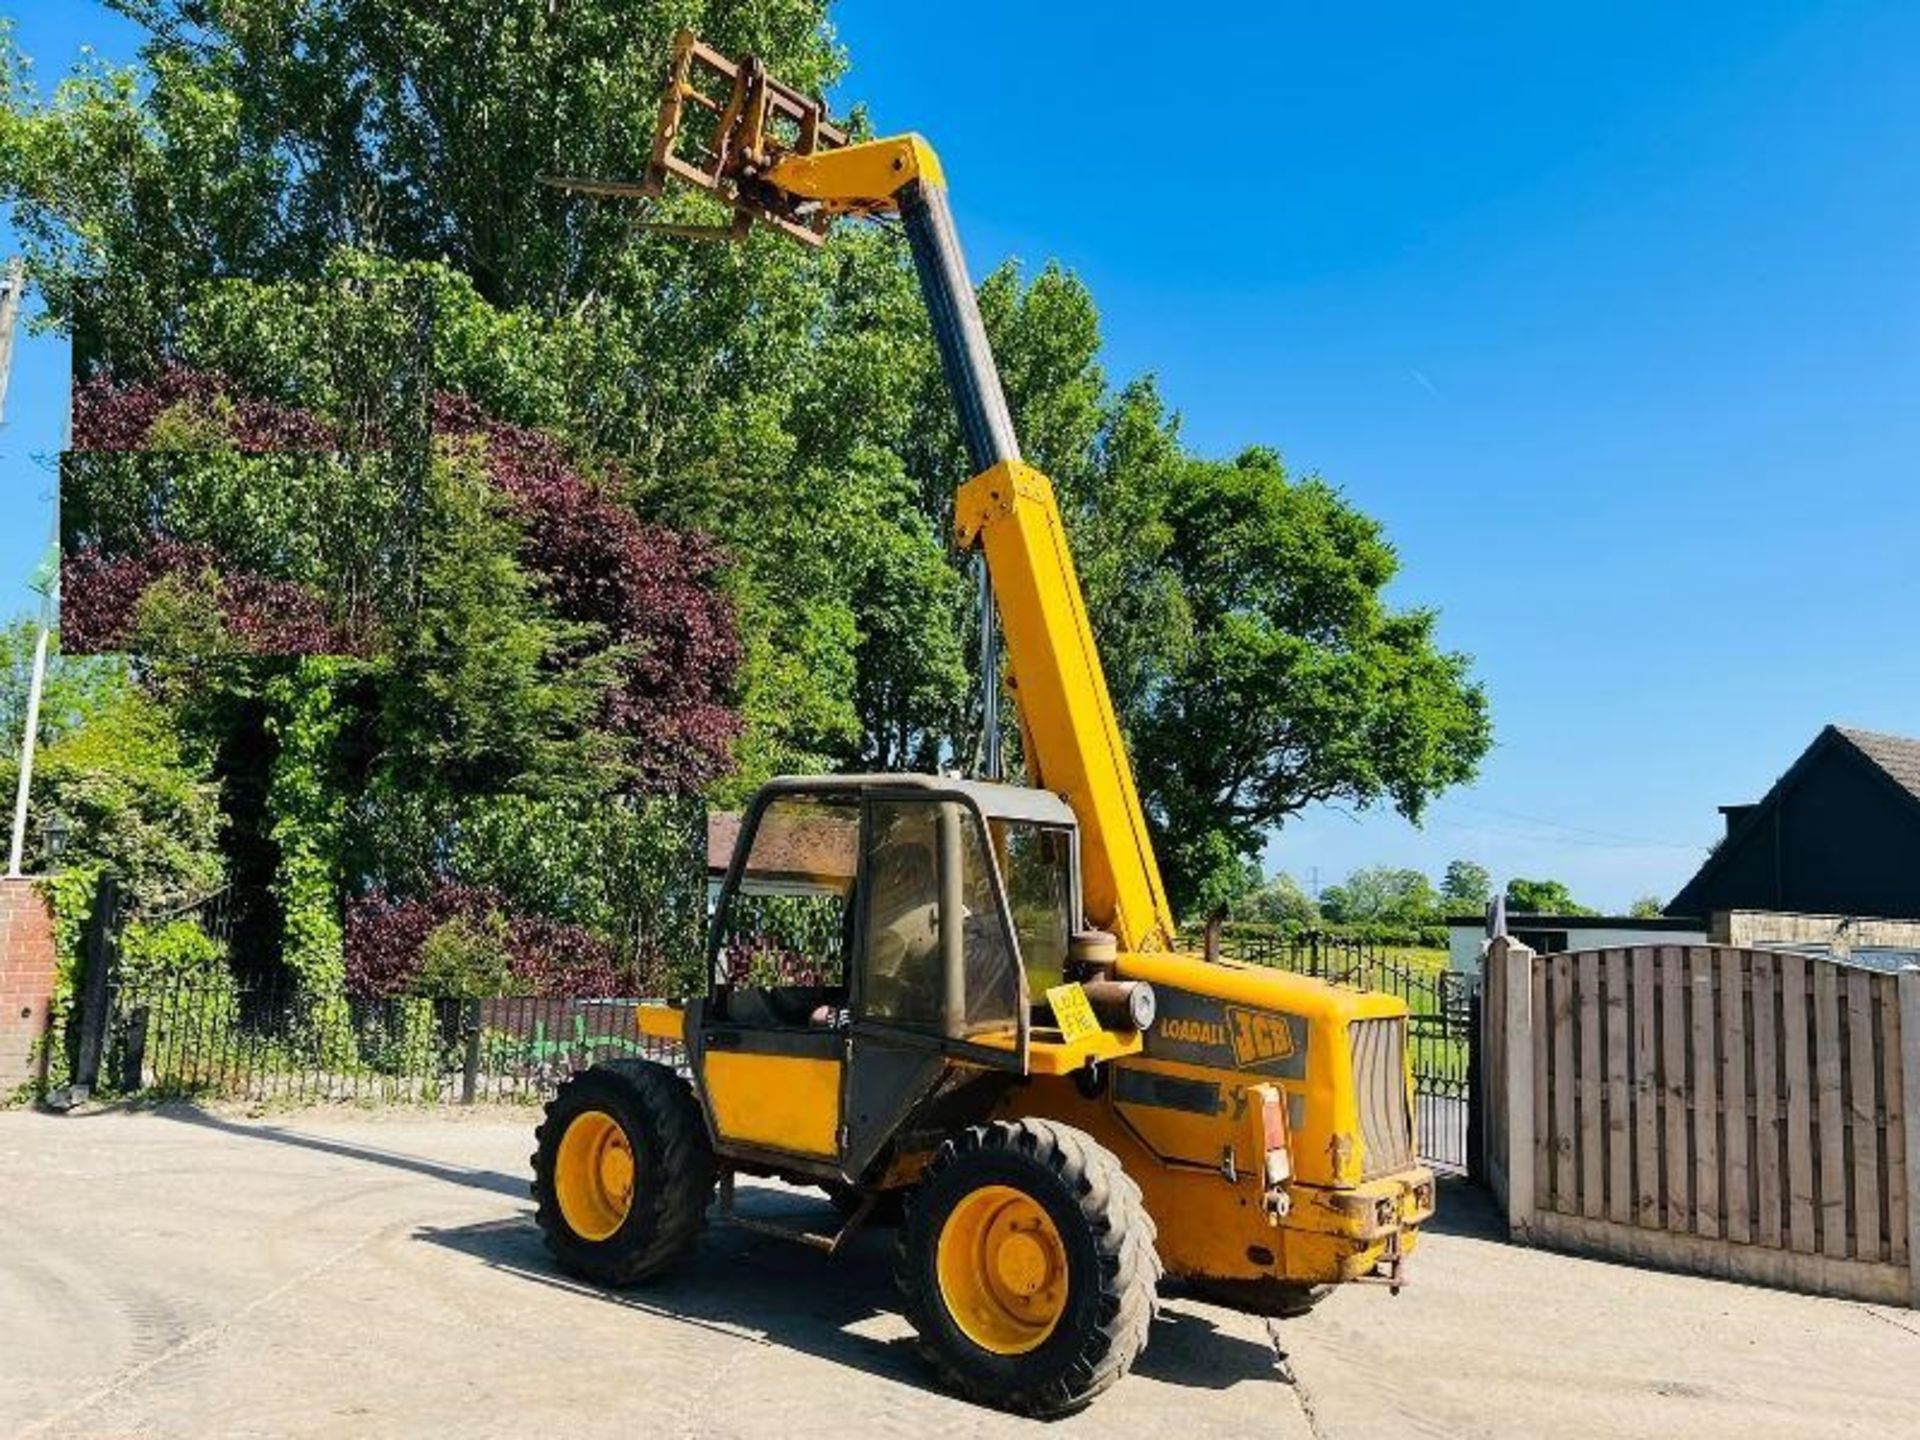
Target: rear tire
{"x": 623, "y": 1172}
{"x": 1027, "y": 1266}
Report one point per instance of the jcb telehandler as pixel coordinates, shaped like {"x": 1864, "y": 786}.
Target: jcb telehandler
{"x": 967, "y": 994}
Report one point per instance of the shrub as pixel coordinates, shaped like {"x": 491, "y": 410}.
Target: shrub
{"x": 170, "y": 589}
{"x": 466, "y": 956}
{"x": 651, "y": 590}
{"x": 179, "y": 401}
{"x": 390, "y": 944}
{"x": 169, "y": 951}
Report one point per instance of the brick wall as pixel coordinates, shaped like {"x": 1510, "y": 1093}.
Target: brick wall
{"x": 26, "y": 982}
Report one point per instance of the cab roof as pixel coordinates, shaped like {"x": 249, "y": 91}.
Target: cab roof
{"x": 996, "y": 802}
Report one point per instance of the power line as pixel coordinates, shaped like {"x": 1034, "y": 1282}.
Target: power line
{"x": 1613, "y": 837}
{"x": 1564, "y": 839}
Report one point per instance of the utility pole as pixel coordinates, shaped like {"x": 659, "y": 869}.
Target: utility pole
{"x": 10, "y": 296}
{"x": 11, "y": 290}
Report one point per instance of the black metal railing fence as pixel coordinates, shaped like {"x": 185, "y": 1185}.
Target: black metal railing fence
{"x": 163, "y": 1010}
{"x": 271, "y": 1041}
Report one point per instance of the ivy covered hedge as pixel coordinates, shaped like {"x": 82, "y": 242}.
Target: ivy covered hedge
{"x": 457, "y": 770}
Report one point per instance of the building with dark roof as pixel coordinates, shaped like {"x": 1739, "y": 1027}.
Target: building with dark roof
{"x": 1837, "y": 835}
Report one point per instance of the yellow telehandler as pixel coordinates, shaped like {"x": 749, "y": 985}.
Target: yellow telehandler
{"x": 965, "y": 995}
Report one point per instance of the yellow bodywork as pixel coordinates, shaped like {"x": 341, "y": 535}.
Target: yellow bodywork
{"x": 858, "y": 178}
{"x": 1342, "y": 1210}
{"x": 1049, "y": 1054}
{"x": 778, "y": 1102}
{"x": 661, "y": 1022}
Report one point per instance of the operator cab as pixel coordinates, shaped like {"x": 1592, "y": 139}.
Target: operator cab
{"x": 872, "y": 932}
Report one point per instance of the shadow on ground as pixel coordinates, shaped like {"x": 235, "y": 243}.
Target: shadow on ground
{"x": 771, "y": 1291}
{"x": 768, "y": 1291}
{"x": 1466, "y": 1209}
{"x": 189, "y": 1114}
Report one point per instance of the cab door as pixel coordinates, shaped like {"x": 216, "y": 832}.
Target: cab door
{"x": 771, "y": 1049}
{"x": 938, "y": 998}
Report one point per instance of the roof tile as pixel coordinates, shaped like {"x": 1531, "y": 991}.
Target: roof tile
{"x": 1898, "y": 755}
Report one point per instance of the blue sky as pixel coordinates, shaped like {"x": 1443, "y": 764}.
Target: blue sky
{"x": 1609, "y": 313}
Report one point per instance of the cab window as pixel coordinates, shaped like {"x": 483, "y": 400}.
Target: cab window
{"x": 903, "y": 975}
{"x": 993, "y": 994}
{"x": 786, "y": 928}
{"x": 1036, "y": 865}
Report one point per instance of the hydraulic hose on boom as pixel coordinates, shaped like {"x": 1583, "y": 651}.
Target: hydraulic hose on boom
{"x": 768, "y": 151}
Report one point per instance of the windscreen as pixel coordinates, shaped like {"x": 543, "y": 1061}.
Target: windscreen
{"x": 1036, "y": 865}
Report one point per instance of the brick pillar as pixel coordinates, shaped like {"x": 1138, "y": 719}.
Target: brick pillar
{"x": 26, "y": 983}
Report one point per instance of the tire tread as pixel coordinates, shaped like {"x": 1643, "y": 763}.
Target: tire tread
{"x": 676, "y": 1185}
{"x": 1128, "y": 1264}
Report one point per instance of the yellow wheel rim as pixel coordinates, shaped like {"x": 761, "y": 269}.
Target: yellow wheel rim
{"x": 593, "y": 1175}
{"x": 1002, "y": 1270}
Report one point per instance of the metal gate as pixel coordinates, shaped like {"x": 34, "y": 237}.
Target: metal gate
{"x": 1442, "y": 1036}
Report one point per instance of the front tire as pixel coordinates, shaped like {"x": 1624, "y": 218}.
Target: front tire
{"x": 1027, "y": 1266}
{"x": 623, "y": 1172}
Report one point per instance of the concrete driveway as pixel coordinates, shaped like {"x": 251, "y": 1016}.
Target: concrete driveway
{"x": 178, "y": 1273}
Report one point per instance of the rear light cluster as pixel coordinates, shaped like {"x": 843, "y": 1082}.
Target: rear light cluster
{"x": 1273, "y": 1125}
{"x": 1276, "y": 1150}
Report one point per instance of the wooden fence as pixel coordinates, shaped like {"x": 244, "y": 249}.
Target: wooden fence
{"x": 1752, "y": 1114}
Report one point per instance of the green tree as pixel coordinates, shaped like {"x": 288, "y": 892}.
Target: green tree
{"x": 1279, "y": 901}
{"x": 75, "y": 686}
{"x": 487, "y": 690}
{"x": 1299, "y": 684}
{"x": 137, "y": 799}
{"x": 1466, "y": 886}
{"x": 260, "y": 135}
{"x": 1647, "y": 907}
{"x": 1381, "y": 893}
{"x": 1542, "y": 897}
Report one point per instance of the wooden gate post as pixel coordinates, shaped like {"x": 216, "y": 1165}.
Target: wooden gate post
{"x": 1515, "y": 962}
{"x": 1910, "y": 1096}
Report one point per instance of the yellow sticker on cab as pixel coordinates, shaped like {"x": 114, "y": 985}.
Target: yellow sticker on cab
{"x": 1072, "y": 1011}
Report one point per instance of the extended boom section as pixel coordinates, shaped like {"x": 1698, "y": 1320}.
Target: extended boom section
{"x": 1068, "y": 721}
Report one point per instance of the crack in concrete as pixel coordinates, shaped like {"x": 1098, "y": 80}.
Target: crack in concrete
{"x": 201, "y": 1336}
{"x": 1897, "y": 1324}
{"x": 1302, "y": 1396}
